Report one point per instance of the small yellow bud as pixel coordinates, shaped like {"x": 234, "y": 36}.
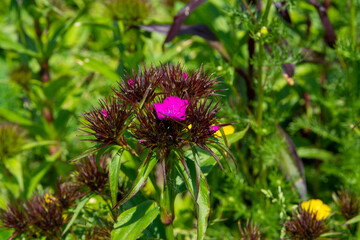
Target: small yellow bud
{"x": 264, "y": 30}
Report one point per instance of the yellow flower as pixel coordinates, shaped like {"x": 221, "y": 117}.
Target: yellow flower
{"x": 227, "y": 130}
{"x": 316, "y": 206}
{"x": 49, "y": 198}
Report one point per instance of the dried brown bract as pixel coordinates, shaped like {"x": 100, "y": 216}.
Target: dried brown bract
{"x": 139, "y": 88}
{"x": 177, "y": 82}
{"x": 67, "y": 193}
{"x": 348, "y": 203}
{"x": 45, "y": 214}
{"x": 305, "y": 226}
{"x": 14, "y": 217}
{"x": 250, "y": 232}
{"x": 108, "y": 123}
{"x": 91, "y": 174}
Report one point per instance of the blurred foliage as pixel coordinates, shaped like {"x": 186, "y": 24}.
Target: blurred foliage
{"x": 57, "y": 58}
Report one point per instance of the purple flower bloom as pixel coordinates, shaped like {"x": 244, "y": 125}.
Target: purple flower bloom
{"x": 184, "y": 76}
{"x": 172, "y": 108}
{"x": 104, "y": 113}
{"x": 214, "y": 128}
{"x": 130, "y": 82}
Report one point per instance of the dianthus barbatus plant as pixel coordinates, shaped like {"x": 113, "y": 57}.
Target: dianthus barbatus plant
{"x": 171, "y": 115}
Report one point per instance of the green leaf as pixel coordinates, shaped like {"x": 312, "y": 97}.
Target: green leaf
{"x": 149, "y": 161}
{"x": 80, "y": 206}
{"x": 353, "y": 220}
{"x": 203, "y": 207}
{"x": 97, "y": 66}
{"x": 202, "y": 197}
{"x": 114, "y": 171}
{"x": 315, "y": 153}
{"x": 8, "y": 44}
{"x": 133, "y": 221}
{"x": 233, "y": 138}
{"x": 35, "y": 179}
{"x": 6, "y": 233}
{"x": 14, "y": 117}
{"x": 31, "y": 145}
{"x": 14, "y": 166}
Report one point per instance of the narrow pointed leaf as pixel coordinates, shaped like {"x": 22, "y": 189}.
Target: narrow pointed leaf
{"x": 180, "y": 18}
{"x": 114, "y": 171}
{"x": 353, "y": 220}
{"x": 199, "y": 190}
{"x": 97, "y": 66}
{"x": 80, "y": 206}
{"x": 149, "y": 161}
{"x": 203, "y": 207}
{"x": 133, "y": 221}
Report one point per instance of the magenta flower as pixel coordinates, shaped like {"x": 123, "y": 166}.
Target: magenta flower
{"x": 130, "y": 82}
{"x": 104, "y": 113}
{"x": 172, "y": 108}
{"x": 214, "y": 128}
{"x": 184, "y": 76}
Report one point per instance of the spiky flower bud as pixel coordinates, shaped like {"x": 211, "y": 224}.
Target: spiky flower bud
{"x": 176, "y": 82}
{"x": 14, "y": 217}
{"x": 305, "y": 225}
{"x": 11, "y": 139}
{"x": 45, "y": 214}
{"x": 348, "y": 203}
{"x": 67, "y": 193}
{"x": 251, "y": 231}
{"x": 108, "y": 123}
{"x": 139, "y": 88}
{"x": 91, "y": 174}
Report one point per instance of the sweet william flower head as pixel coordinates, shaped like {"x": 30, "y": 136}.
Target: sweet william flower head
{"x": 316, "y": 206}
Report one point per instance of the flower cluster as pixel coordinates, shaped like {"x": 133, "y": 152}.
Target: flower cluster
{"x": 164, "y": 108}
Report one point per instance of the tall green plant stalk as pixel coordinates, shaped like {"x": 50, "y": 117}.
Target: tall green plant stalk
{"x": 260, "y": 90}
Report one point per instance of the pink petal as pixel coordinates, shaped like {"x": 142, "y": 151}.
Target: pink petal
{"x": 130, "y": 82}
{"x": 172, "y": 108}
{"x": 214, "y": 128}
{"x": 104, "y": 113}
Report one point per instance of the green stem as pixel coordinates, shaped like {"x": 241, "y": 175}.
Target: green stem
{"x": 260, "y": 90}
{"x": 266, "y": 13}
{"x": 353, "y": 22}
{"x": 118, "y": 36}
{"x": 167, "y": 203}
